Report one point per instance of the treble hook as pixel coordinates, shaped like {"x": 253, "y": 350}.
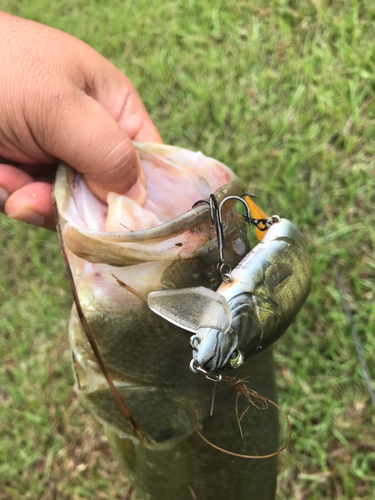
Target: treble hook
{"x": 223, "y": 268}
{"x": 196, "y": 368}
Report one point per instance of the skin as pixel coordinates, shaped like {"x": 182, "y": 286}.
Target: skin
{"x": 61, "y": 100}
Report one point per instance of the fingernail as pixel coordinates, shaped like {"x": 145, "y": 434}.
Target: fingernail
{"x": 27, "y": 215}
{"x": 4, "y": 195}
{"x": 138, "y": 193}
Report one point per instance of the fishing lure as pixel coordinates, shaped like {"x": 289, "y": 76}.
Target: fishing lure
{"x": 253, "y": 306}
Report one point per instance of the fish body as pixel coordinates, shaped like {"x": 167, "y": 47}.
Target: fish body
{"x": 146, "y": 356}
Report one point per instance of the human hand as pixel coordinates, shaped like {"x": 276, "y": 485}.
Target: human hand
{"x": 61, "y": 100}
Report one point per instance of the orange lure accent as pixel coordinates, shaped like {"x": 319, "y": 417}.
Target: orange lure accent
{"x": 256, "y": 213}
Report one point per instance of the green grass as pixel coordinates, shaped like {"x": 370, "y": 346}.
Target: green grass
{"x": 283, "y": 92}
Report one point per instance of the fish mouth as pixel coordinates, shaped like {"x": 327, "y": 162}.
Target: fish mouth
{"x": 175, "y": 180}
{"x": 124, "y": 232}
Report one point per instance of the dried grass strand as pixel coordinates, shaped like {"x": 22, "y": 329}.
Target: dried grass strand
{"x": 250, "y": 395}
{"x": 130, "y": 289}
{"x": 192, "y": 493}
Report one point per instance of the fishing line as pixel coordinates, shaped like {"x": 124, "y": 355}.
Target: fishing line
{"x": 350, "y": 319}
{"x": 343, "y": 297}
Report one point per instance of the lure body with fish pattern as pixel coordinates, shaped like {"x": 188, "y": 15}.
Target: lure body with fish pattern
{"x": 267, "y": 289}
{"x": 146, "y": 356}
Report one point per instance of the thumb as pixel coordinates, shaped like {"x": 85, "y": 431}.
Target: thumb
{"x": 87, "y": 137}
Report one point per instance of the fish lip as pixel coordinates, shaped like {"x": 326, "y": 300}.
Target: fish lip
{"x": 189, "y": 220}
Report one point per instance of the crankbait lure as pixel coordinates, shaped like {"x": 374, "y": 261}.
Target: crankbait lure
{"x": 253, "y": 306}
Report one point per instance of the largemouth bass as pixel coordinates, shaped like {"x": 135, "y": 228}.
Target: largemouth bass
{"x": 166, "y": 245}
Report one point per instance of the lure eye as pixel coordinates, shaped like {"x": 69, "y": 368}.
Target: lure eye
{"x": 236, "y": 358}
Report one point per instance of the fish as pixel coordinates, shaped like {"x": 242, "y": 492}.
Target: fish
{"x": 164, "y": 245}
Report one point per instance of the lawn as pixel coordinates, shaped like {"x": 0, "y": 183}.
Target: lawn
{"x": 282, "y": 91}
